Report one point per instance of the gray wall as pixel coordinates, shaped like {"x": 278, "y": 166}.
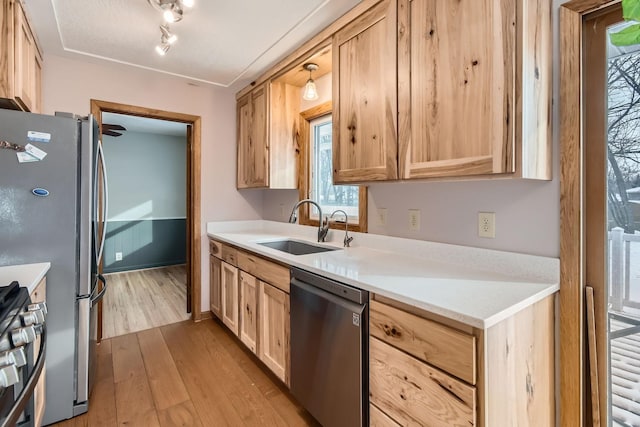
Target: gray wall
{"x": 147, "y": 200}
{"x": 527, "y": 212}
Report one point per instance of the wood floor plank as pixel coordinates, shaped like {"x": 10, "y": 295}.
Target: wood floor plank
{"x": 182, "y": 414}
{"x": 268, "y": 384}
{"x": 134, "y": 403}
{"x": 248, "y": 400}
{"x": 127, "y": 359}
{"x": 198, "y": 373}
{"x": 166, "y": 384}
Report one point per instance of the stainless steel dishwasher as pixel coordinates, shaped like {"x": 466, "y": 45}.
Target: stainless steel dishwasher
{"x": 330, "y": 349}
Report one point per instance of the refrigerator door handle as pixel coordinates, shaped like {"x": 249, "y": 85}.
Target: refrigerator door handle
{"x": 97, "y": 298}
{"x": 105, "y": 200}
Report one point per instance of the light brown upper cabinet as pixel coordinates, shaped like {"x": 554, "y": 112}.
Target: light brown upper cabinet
{"x": 268, "y": 136}
{"x": 430, "y": 89}
{"x": 253, "y": 146}
{"x": 20, "y": 60}
{"x": 365, "y": 97}
{"x": 474, "y": 82}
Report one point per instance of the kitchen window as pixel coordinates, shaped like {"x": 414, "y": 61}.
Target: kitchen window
{"x": 316, "y": 175}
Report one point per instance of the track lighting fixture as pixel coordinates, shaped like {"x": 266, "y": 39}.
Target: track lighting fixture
{"x": 167, "y": 35}
{"x": 172, "y": 11}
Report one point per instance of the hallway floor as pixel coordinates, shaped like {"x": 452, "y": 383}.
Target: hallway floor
{"x": 144, "y": 299}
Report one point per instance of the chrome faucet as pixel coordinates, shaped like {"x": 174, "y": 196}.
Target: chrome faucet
{"x": 347, "y": 240}
{"x": 323, "y": 225}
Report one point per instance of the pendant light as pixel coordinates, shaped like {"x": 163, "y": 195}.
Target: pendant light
{"x": 310, "y": 91}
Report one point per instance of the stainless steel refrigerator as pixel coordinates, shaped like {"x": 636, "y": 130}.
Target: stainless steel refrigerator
{"x": 49, "y": 205}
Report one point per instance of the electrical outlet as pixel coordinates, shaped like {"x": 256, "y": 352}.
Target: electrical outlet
{"x": 382, "y": 216}
{"x": 118, "y": 256}
{"x": 414, "y": 219}
{"x": 487, "y": 224}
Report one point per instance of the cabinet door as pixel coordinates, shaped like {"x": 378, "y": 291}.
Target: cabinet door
{"x": 25, "y": 61}
{"x": 274, "y": 330}
{"x": 457, "y": 106}
{"x": 215, "y": 288}
{"x": 229, "y": 296}
{"x": 365, "y": 97}
{"x": 249, "y": 310}
{"x": 253, "y": 170}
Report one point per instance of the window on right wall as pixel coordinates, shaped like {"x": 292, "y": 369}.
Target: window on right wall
{"x": 316, "y": 175}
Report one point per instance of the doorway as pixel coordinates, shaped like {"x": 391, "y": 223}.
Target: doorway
{"x": 193, "y": 125}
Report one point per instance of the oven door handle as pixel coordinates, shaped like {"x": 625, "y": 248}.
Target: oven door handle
{"x": 27, "y": 392}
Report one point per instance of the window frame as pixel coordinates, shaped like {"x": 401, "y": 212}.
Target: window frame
{"x": 306, "y": 117}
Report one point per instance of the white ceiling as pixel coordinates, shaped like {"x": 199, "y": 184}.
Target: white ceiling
{"x": 145, "y": 125}
{"x": 220, "y": 42}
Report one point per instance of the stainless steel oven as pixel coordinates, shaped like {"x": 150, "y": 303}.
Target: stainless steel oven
{"x": 329, "y": 349}
{"x": 20, "y": 324}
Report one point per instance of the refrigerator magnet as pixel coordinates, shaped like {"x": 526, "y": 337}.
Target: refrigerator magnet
{"x": 34, "y": 136}
{"x": 24, "y": 157}
{"x": 35, "y": 151}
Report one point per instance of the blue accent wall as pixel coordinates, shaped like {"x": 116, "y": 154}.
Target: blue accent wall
{"x": 145, "y": 244}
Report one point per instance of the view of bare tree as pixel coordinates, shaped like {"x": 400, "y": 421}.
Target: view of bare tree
{"x": 623, "y": 130}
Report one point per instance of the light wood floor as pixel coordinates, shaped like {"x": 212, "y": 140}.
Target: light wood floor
{"x": 185, "y": 374}
{"x": 144, "y": 299}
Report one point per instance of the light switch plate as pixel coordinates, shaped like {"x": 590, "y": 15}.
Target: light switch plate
{"x": 487, "y": 224}
{"x": 414, "y": 219}
{"x": 118, "y": 256}
{"x": 382, "y": 216}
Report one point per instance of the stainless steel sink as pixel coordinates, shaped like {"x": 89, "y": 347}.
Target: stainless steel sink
{"x": 295, "y": 247}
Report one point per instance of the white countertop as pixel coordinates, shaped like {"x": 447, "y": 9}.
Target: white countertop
{"x": 28, "y": 275}
{"x": 478, "y": 287}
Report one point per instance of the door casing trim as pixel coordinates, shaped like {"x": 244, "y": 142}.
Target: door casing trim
{"x": 193, "y": 189}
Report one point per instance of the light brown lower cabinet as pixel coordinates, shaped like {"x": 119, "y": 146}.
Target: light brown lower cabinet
{"x": 215, "y": 286}
{"x": 229, "y": 296}
{"x": 410, "y": 390}
{"x": 432, "y": 371}
{"x": 253, "y": 301}
{"x": 39, "y": 294}
{"x": 249, "y": 311}
{"x": 274, "y": 330}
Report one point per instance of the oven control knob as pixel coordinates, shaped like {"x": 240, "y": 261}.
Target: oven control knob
{"x": 9, "y": 376}
{"x": 22, "y": 336}
{"x": 35, "y": 317}
{"x": 20, "y": 356}
{"x": 38, "y": 306}
{"x": 7, "y": 358}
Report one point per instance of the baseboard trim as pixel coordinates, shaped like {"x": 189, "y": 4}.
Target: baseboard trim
{"x": 204, "y": 315}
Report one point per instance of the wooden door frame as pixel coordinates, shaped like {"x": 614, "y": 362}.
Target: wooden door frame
{"x": 572, "y": 181}
{"x": 193, "y": 189}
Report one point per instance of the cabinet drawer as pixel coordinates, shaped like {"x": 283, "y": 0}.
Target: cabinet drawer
{"x": 215, "y": 248}
{"x": 432, "y": 342}
{"x": 414, "y": 393}
{"x": 377, "y": 418}
{"x": 270, "y": 272}
{"x": 230, "y": 255}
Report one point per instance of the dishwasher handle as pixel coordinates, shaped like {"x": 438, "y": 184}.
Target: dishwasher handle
{"x": 349, "y": 305}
